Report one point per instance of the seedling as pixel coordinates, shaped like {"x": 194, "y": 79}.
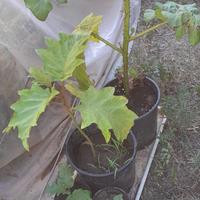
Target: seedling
{"x": 64, "y": 183}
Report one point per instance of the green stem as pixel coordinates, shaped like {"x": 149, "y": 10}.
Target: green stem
{"x": 107, "y": 42}
{"x": 82, "y": 132}
{"x": 149, "y": 30}
{"x": 67, "y": 110}
{"x": 126, "y": 37}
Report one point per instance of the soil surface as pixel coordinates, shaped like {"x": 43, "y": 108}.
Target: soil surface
{"x": 141, "y": 96}
{"x": 108, "y": 157}
{"x": 175, "y": 65}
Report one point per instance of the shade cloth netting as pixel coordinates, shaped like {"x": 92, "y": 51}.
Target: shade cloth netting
{"x": 23, "y": 174}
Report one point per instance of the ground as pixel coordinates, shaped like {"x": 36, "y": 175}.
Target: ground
{"x": 175, "y": 65}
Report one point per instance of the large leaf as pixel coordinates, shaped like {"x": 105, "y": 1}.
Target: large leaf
{"x": 62, "y": 57}
{"x": 28, "y": 109}
{"x": 100, "y": 106}
{"x": 40, "y": 8}
{"x": 90, "y": 24}
{"x": 80, "y": 194}
{"x": 64, "y": 181}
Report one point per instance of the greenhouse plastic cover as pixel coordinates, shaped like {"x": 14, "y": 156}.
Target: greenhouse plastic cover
{"x": 24, "y": 174}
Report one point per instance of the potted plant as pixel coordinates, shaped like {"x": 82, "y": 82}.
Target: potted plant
{"x": 63, "y": 187}
{"x": 64, "y": 71}
{"x": 66, "y": 188}
{"x": 109, "y": 146}
{"x": 142, "y": 92}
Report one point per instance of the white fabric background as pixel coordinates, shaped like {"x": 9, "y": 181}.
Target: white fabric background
{"x": 22, "y": 173}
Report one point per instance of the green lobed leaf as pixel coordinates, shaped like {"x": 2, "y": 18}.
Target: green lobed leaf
{"x": 90, "y": 24}
{"x": 149, "y": 14}
{"x": 40, "y": 77}
{"x": 80, "y": 194}
{"x": 61, "y": 57}
{"x": 27, "y": 110}
{"x": 40, "y": 8}
{"x": 159, "y": 15}
{"x": 100, "y": 106}
{"x": 171, "y": 18}
{"x": 168, "y": 6}
{"x": 64, "y": 181}
{"x": 184, "y": 19}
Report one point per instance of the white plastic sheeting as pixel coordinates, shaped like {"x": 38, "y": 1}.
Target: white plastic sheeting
{"x": 23, "y": 174}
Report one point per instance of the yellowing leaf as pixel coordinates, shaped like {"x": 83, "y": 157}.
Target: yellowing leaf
{"x": 90, "y": 24}
{"x": 100, "y": 106}
{"x": 40, "y": 8}
{"x": 61, "y": 57}
{"x": 27, "y": 110}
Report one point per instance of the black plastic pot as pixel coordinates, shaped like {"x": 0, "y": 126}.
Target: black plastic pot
{"x": 109, "y": 191}
{"x": 123, "y": 178}
{"x": 145, "y": 127}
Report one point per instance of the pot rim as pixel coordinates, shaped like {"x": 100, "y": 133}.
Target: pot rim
{"x": 131, "y": 159}
{"x": 157, "y": 101}
{"x": 110, "y": 187}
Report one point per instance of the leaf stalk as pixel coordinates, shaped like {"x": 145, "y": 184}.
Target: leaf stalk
{"x": 71, "y": 115}
{"x": 149, "y": 30}
{"x": 107, "y": 42}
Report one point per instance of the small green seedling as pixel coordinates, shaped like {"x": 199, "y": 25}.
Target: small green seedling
{"x": 64, "y": 183}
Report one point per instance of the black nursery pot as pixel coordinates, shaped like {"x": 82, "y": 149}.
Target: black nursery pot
{"x": 124, "y": 176}
{"x": 109, "y": 192}
{"x": 145, "y": 126}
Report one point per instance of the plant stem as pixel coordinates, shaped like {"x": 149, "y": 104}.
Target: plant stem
{"x": 126, "y": 37}
{"x": 83, "y": 133}
{"x": 67, "y": 110}
{"x": 107, "y": 42}
{"x": 153, "y": 28}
